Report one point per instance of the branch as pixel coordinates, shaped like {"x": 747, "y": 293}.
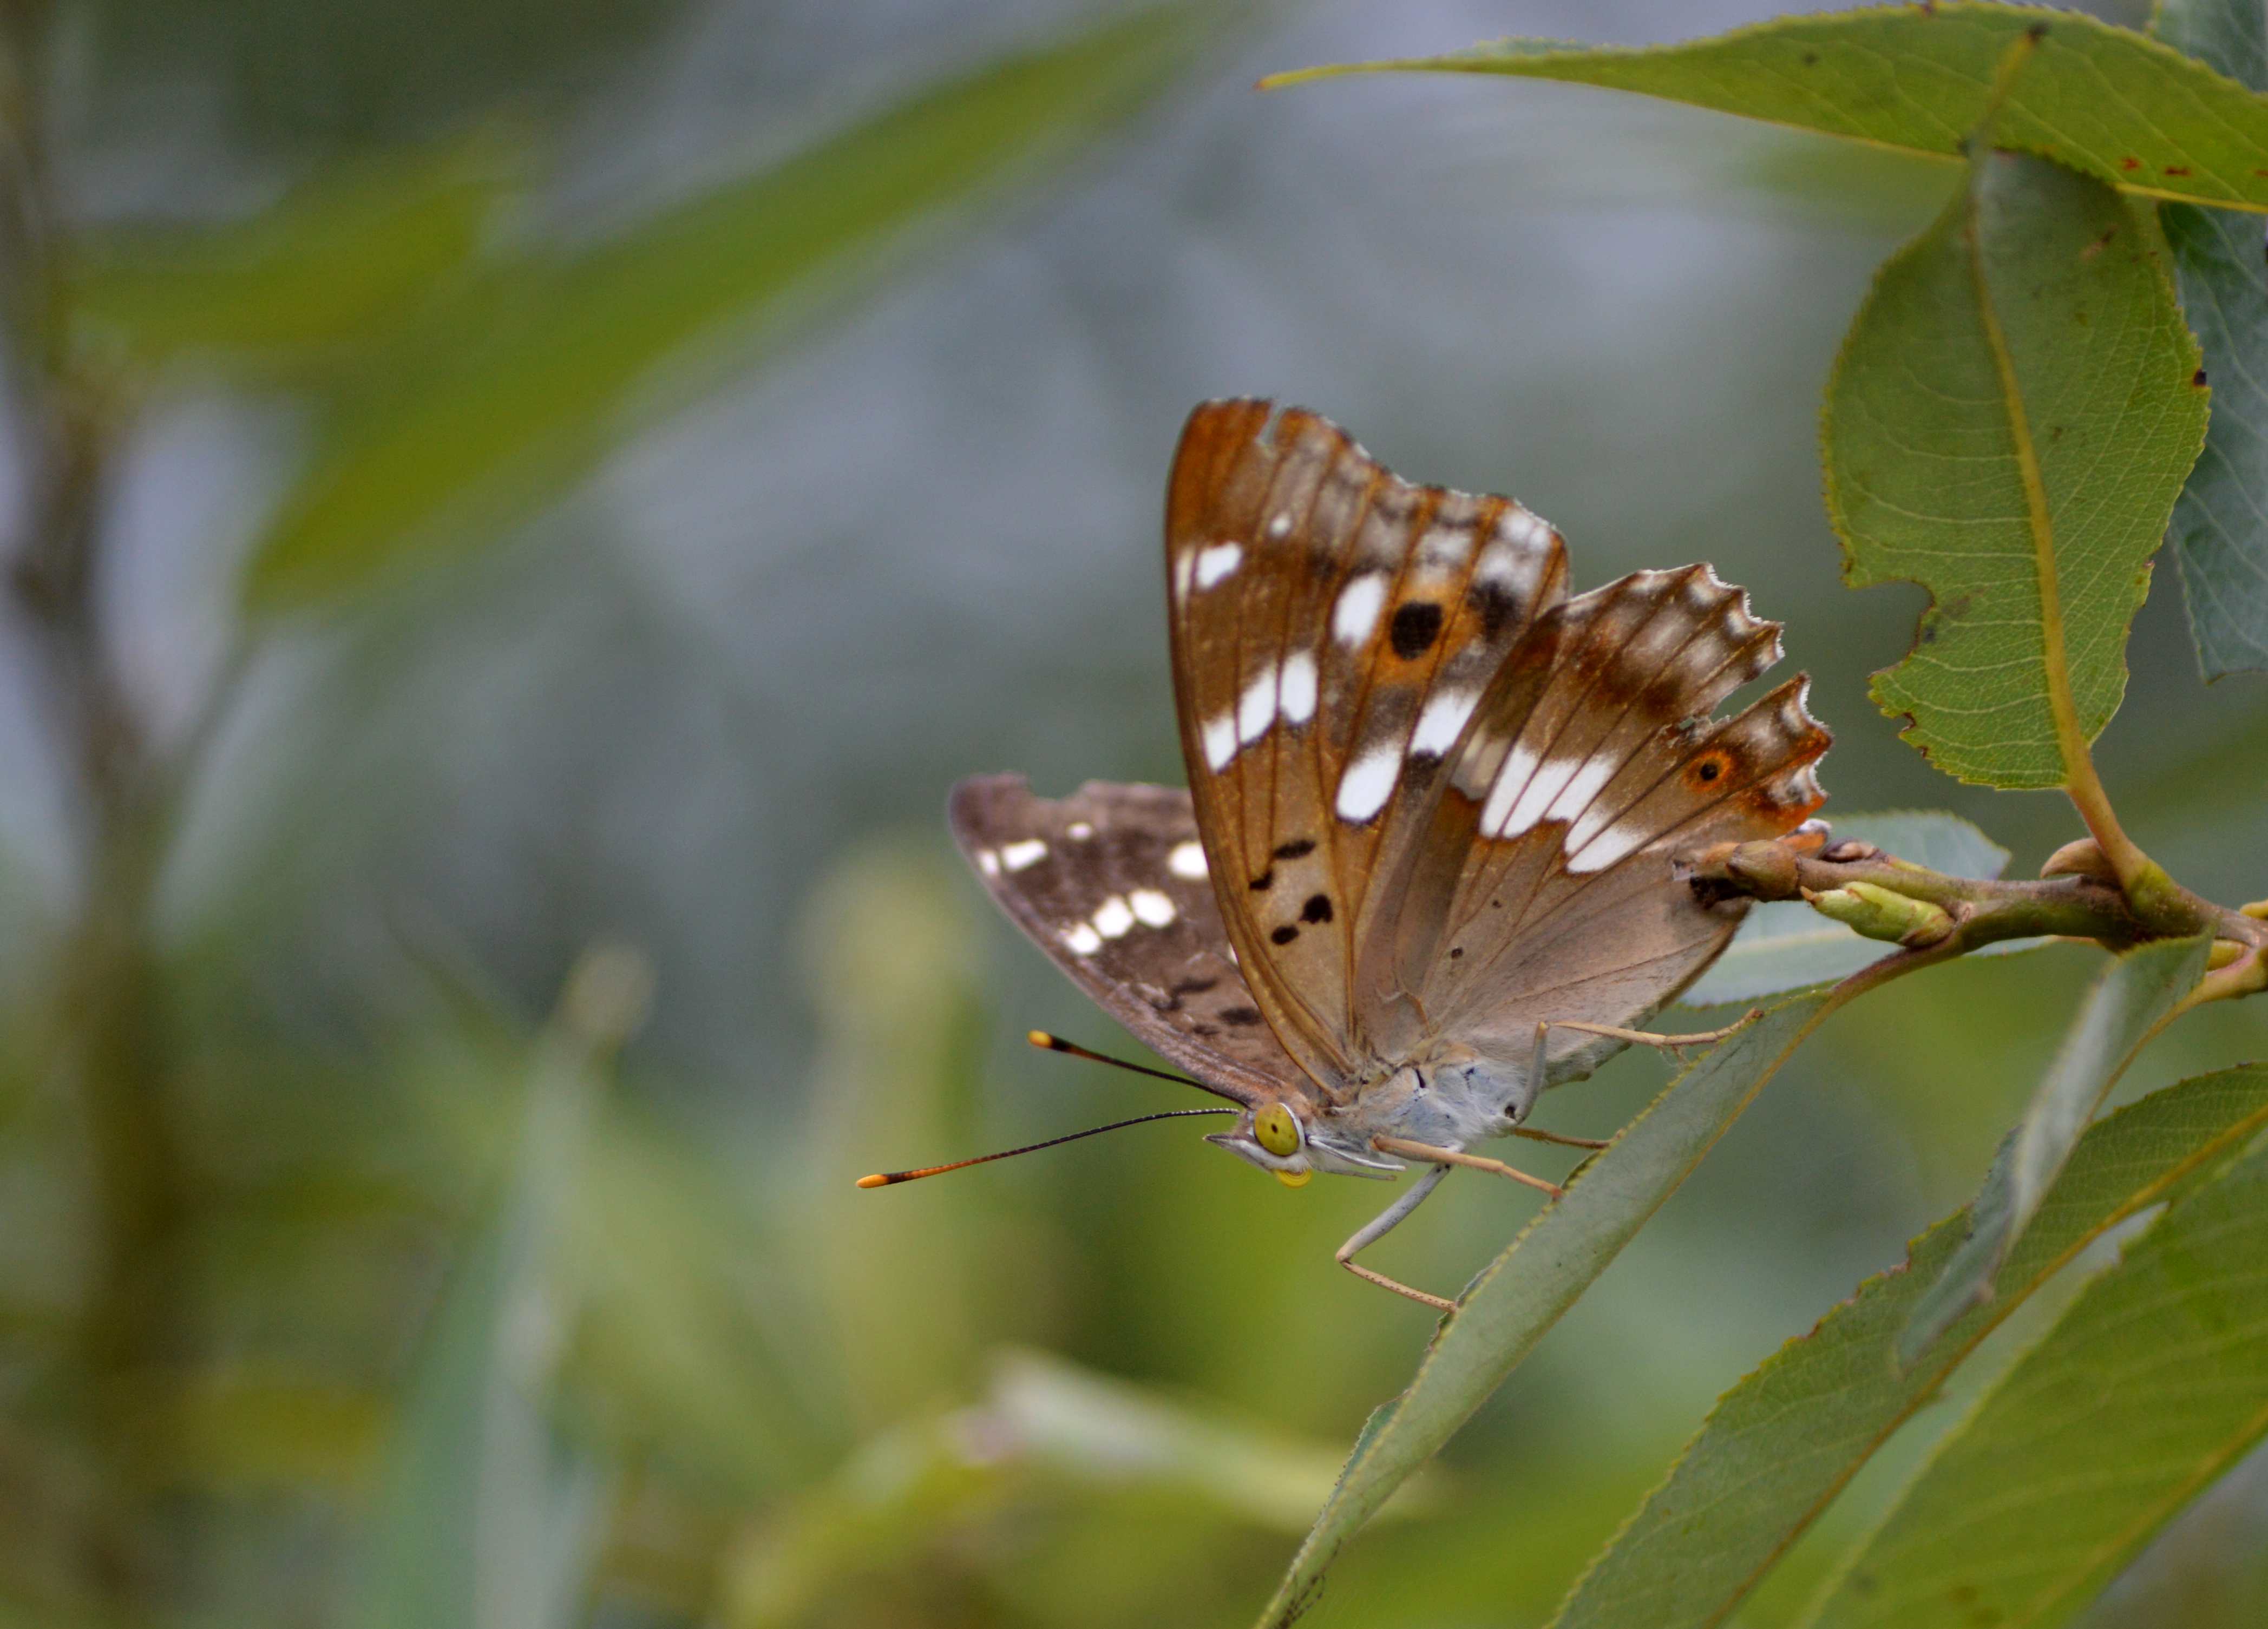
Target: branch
{"x": 1883, "y": 897}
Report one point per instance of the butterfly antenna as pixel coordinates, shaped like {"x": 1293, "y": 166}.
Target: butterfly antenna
{"x": 884, "y": 1179}
{"x": 1046, "y": 1042}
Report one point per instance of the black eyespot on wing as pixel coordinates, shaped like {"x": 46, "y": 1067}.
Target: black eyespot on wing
{"x": 1264, "y": 881}
{"x": 1318, "y": 909}
{"x": 1298, "y": 848}
{"x": 1240, "y": 1015}
{"x": 1194, "y": 986}
{"x": 1414, "y": 629}
{"x": 1284, "y": 935}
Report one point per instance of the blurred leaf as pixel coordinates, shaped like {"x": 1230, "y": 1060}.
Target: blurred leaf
{"x": 2220, "y": 524}
{"x": 2151, "y": 1384}
{"x": 1044, "y": 1426}
{"x": 255, "y": 1424}
{"x": 2133, "y": 995}
{"x": 685, "y": 1327}
{"x": 1916, "y": 79}
{"x": 1087, "y": 1426}
{"x": 341, "y": 260}
{"x": 2009, "y": 425}
{"x": 1523, "y": 1292}
{"x": 1786, "y": 1439}
{"x": 1786, "y": 945}
{"x": 492, "y": 1520}
{"x": 525, "y": 381}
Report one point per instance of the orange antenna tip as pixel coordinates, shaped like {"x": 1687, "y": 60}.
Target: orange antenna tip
{"x": 1041, "y": 1037}
{"x": 878, "y": 1180}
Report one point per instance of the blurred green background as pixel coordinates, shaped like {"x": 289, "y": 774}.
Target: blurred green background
{"x": 519, "y": 512}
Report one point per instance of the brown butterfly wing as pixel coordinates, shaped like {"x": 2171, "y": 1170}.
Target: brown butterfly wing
{"x": 1111, "y": 883}
{"x": 1540, "y": 885}
{"x": 1333, "y": 626}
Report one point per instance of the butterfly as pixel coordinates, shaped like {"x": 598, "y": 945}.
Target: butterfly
{"x": 1425, "y": 866}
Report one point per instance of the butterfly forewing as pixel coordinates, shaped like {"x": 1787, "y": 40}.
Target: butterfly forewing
{"x": 1334, "y": 627}
{"x": 1111, "y": 883}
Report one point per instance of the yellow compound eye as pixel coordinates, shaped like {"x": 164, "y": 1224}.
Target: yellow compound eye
{"x": 1295, "y": 1178}
{"x": 1278, "y": 1132}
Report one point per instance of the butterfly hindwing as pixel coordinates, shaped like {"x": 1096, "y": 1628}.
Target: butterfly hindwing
{"x": 1333, "y": 626}
{"x": 1542, "y": 886}
{"x": 1111, "y": 883}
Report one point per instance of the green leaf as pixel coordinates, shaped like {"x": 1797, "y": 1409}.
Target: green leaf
{"x": 2220, "y": 524}
{"x": 2152, "y": 1384}
{"x": 491, "y": 1518}
{"x": 2009, "y": 425}
{"x": 1918, "y": 78}
{"x": 348, "y": 253}
{"x": 2129, "y": 1001}
{"x": 521, "y": 382}
{"x": 1042, "y": 1427}
{"x": 1785, "y": 1442}
{"x": 1525, "y": 1291}
{"x": 1786, "y": 945}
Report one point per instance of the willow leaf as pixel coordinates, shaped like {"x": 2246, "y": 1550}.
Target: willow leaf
{"x": 2129, "y": 1001}
{"x": 2012, "y": 416}
{"x": 1780, "y": 1445}
{"x": 2152, "y": 1384}
{"x": 494, "y": 402}
{"x": 2220, "y": 525}
{"x": 1523, "y": 1292}
{"x": 2117, "y": 104}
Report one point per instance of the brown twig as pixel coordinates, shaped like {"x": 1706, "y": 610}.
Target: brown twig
{"x": 131, "y": 1327}
{"x": 1886, "y": 898}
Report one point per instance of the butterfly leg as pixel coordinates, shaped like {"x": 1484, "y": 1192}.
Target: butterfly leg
{"x": 1561, "y": 1138}
{"x": 1675, "y": 1044}
{"x": 1385, "y": 1222}
{"x": 1445, "y": 1157}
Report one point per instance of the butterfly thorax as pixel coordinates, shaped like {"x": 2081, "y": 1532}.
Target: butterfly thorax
{"x": 1452, "y": 1098}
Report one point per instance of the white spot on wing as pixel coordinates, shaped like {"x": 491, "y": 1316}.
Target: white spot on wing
{"x": 1501, "y": 565}
{"x": 1296, "y": 688}
{"x": 1220, "y": 740}
{"x": 1079, "y": 831}
{"x": 1355, "y": 616}
{"x": 1582, "y": 787}
{"x": 1613, "y": 844}
{"x": 1187, "y": 861}
{"x": 1542, "y": 798}
{"x": 1369, "y": 782}
{"x": 1112, "y": 917}
{"x": 1215, "y": 564}
{"x": 1081, "y": 940}
{"x": 1443, "y": 548}
{"x": 1281, "y": 525}
{"x": 1016, "y": 857}
{"x": 1152, "y": 908}
{"x": 988, "y": 862}
{"x": 1444, "y": 716}
{"x": 1519, "y": 772}
{"x": 1524, "y": 526}
{"x": 1256, "y": 710}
